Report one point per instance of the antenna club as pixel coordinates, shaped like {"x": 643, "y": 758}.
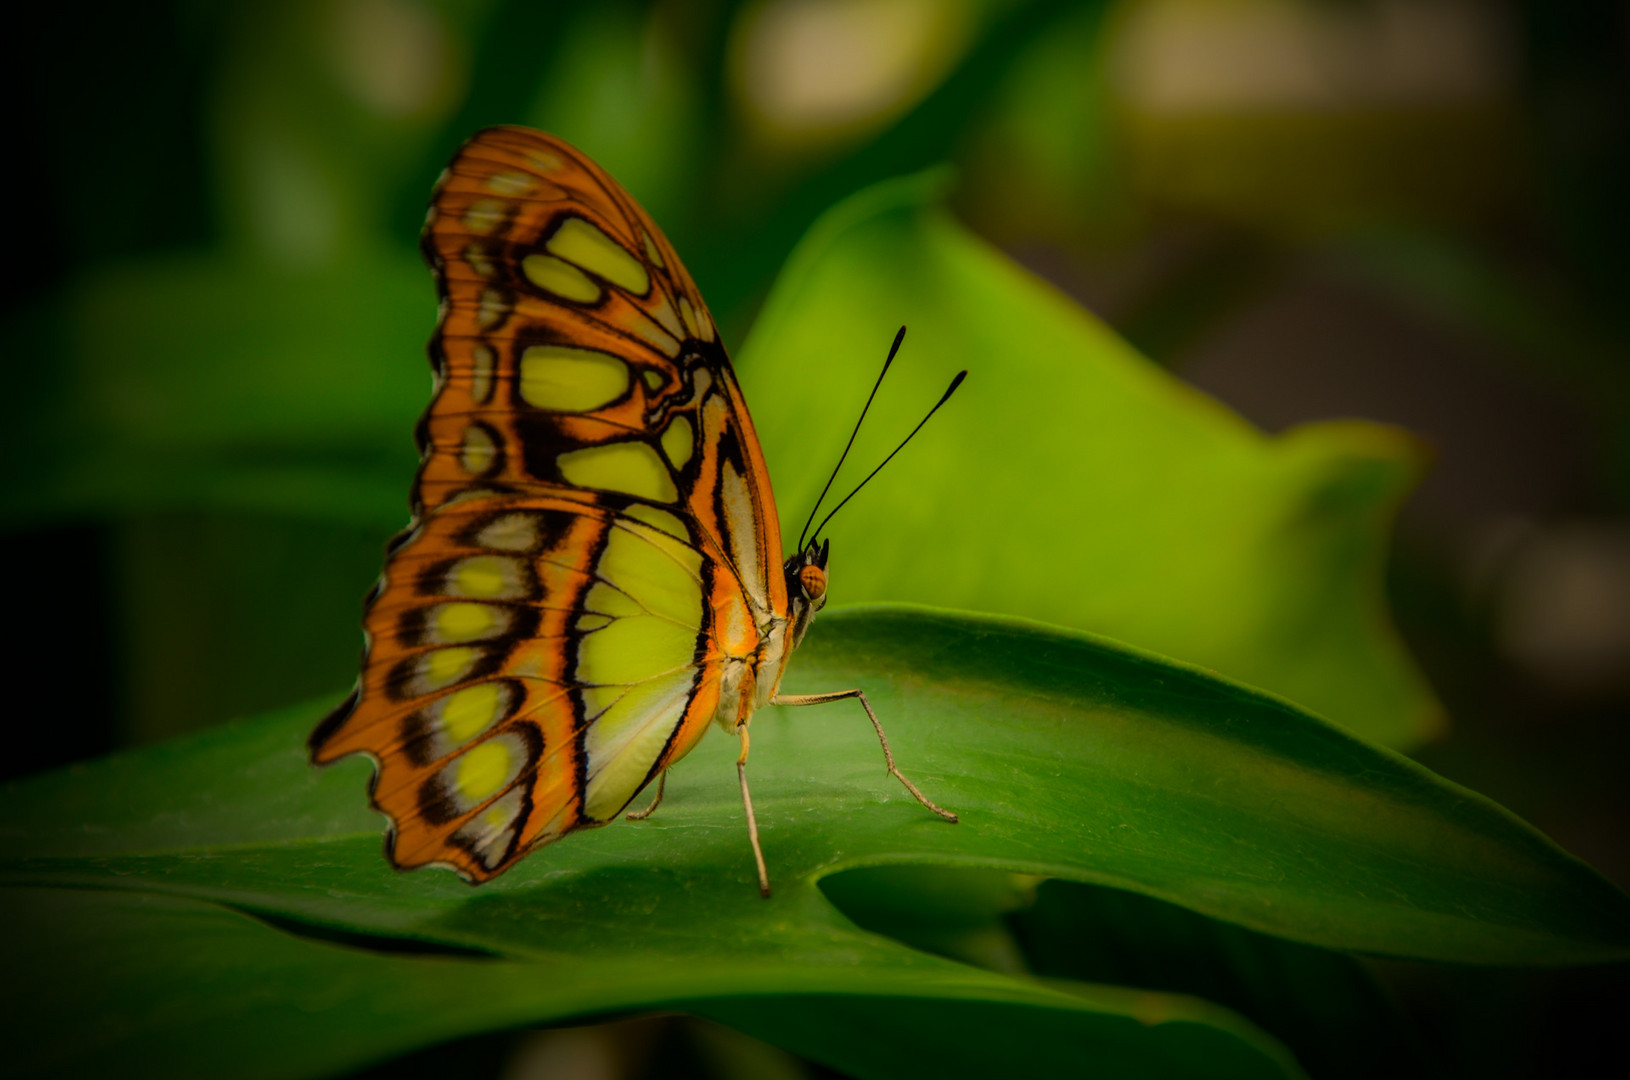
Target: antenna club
{"x": 894, "y": 348}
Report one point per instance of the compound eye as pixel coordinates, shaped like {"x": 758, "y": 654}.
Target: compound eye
{"x": 813, "y": 579}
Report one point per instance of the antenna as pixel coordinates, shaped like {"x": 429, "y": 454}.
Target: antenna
{"x": 949, "y": 390}
{"x": 899, "y": 337}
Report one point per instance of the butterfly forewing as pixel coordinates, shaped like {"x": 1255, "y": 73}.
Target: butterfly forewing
{"x": 593, "y": 528}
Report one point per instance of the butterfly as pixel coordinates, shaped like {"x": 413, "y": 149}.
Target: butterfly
{"x": 592, "y": 573}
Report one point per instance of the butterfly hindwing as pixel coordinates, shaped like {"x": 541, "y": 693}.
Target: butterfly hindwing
{"x": 593, "y": 532}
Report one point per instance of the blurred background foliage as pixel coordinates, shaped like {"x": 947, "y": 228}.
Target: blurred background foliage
{"x": 1405, "y": 210}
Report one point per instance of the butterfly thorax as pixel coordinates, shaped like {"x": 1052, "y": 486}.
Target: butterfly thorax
{"x": 750, "y": 680}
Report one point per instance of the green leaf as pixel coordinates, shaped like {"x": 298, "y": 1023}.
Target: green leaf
{"x": 216, "y": 382}
{"x": 1066, "y": 756}
{"x": 142, "y": 984}
{"x": 1070, "y": 480}
{"x": 1323, "y": 1005}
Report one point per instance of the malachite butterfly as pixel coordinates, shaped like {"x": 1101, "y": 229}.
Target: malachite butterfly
{"x": 592, "y": 573}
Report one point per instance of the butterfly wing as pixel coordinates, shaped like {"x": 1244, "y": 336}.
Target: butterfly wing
{"x": 593, "y": 541}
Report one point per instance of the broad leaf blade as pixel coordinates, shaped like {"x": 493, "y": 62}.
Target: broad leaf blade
{"x": 1323, "y": 1005}
{"x": 886, "y": 1038}
{"x": 1071, "y": 480}
{"x": 1066, "y": 755}
{"x": 140, "y": 984}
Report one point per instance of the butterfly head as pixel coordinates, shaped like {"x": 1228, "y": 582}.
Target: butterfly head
{"x": 806, "y": 585}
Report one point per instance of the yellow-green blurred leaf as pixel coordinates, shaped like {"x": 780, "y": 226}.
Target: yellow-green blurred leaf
{"x": 1071, "y": 480}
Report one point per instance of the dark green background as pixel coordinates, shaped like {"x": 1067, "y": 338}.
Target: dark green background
{"x": 215, "y": 324}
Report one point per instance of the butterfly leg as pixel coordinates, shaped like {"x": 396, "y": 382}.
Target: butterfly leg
{"x": 752, "y": 822}
{"x": 641, "y": 815}
{"x": 888, "y": 755}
